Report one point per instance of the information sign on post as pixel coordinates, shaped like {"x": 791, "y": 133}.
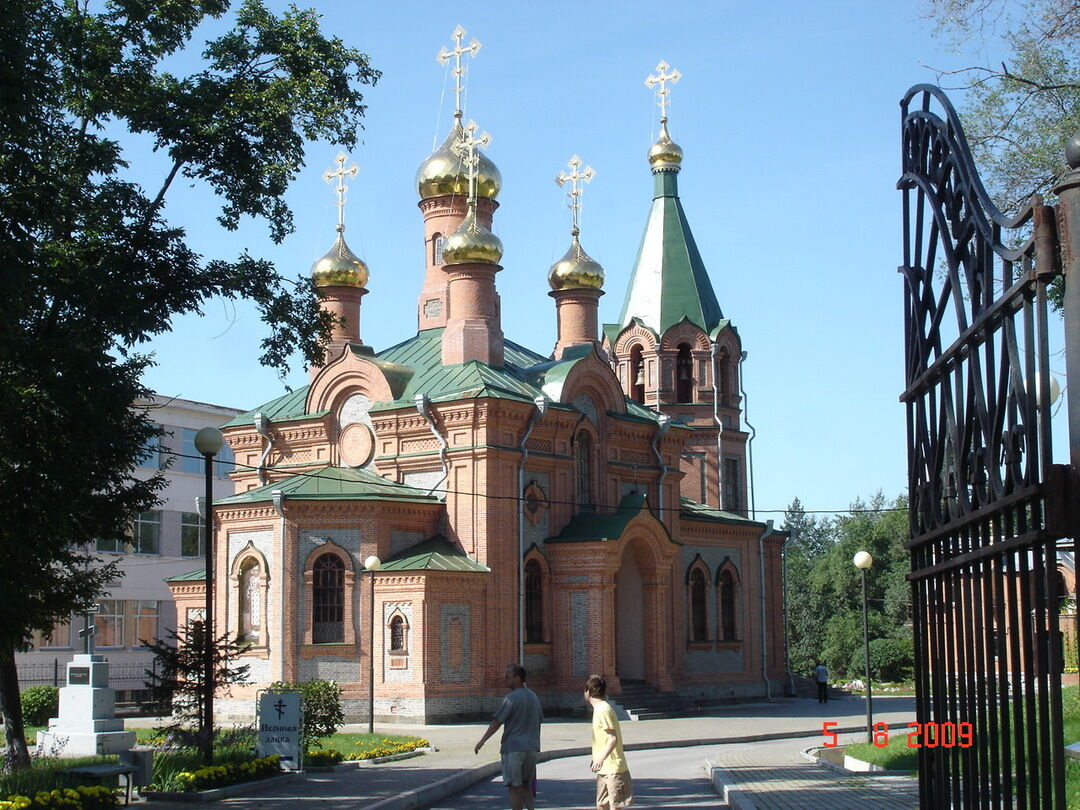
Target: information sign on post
{"x": 281, "y": 722}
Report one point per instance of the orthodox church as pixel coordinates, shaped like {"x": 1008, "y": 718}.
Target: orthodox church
{"x": 580, "y": 510}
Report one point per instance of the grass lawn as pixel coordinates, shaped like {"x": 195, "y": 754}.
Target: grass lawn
{"x": 358, "y": 743}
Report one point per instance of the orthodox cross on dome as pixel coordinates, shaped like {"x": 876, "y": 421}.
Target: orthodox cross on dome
{"x": 340, "y": 174}
{"x": 575, "y": 178}
{"x": 469, "y": 144}
{"x": 459, "y": 69}
{"x": 662, "y": 78}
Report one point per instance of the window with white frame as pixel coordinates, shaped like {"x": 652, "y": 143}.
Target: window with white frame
{"x": 191, "y": 535}
{"x": 150, "y": 456}
{"x": 146, "y": 533}
{"x": 116, "y": 545}
{"x": 57, "y": 638}
{"x": 110, "y": 623}
{"x": 190, "y": 461}
{"x": 146, "y": 622}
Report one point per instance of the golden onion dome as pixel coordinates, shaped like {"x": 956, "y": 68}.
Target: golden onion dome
{"x": 340, "y": 267}
{"x": 576, "y": 270}
{"x": 445, "y": 173}
{"x": 472, "y": 242}
{"x": 665, "y": 153}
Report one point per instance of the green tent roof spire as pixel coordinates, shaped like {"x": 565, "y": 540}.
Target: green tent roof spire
{"x": 669, "y": 282}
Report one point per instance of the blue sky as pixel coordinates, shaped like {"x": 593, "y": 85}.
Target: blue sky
{"x": 788, "y": 114}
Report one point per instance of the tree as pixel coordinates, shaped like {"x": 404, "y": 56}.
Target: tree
{"x": 1018, "y": 114}
{"x": 91, "y": 267}
{"x": 808, "y": 610}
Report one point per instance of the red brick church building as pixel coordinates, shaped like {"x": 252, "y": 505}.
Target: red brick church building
{"x": 582, "y": 510}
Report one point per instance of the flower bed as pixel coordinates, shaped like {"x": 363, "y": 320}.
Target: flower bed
{"x": 77, "y": 798}
{"x": 386, "y": 748}
{"x": 216, "y": 776}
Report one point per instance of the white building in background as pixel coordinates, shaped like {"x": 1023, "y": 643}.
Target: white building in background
{"x": 165, "y": 542}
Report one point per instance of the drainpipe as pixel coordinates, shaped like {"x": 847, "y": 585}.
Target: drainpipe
{"x": 663, "y": 425}
{"x": 719, "y": 430}
{"x": 423, "y": 406}
{"x": 262, "y": 425}
{"x": 541, "y": 408}
{"x": 761, "y": 589}
{"x": 750, "y": 441}
{"x": 277, "y": 498}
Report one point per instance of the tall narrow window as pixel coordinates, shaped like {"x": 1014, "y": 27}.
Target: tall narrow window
{"x": 328, "y": 600}
{"x": 437, "y": 242}
{"x": 146, "y": 534}
{"x": 584, "y": 470}
{"x": 684, "y": 374}
{"x": 637, "y": 375}
{"x": 732, "y": 486}
{"x": 110, "y": 623}
{"x": 534, "y": 603}
{"x": 191, "y": 460}
{"x": 397, "y": 634}
{"x": 146, "y": 622}
{"x": 699, "y": 622}
{"x": 723, "y": 376}
{"x": 727, "y": 606}
{"x": 250, "y": 601}
{"x": 191, "y": 534}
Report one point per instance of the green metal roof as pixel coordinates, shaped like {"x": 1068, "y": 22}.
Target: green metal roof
{"x": 333, "y": 483}
{"x": 592, "y": 526}
{"x": 436, "y": 554}
{"x": 669, "y": 282}
{"x": 190, "y": 576}
{"x": 287, "y": 406}
{"x": 693, "y": 510}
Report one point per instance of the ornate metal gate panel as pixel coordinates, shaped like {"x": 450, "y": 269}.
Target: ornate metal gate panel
{"x": 986, "y": 504}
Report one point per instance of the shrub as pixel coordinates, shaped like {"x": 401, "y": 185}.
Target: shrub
{"x": 39, "y": 703}
{"x": 79, "y": 798}
{"x": 323, "y": 715}
{"x": 215, "y": 776}
{"x": 327, "y": 756}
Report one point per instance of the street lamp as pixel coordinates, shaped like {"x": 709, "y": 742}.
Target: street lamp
{"x": 863, "y": 561}
{"x": 208, "y": 442}
{"x": 372, "y": 564}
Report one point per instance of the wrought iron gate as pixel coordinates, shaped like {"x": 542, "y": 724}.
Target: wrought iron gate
{"x": 987, "y": 506}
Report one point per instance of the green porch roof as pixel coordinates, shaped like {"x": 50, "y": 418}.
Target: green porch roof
{"x": 587, "y": 527}
{"x": 669, "y": 282}
{"x": 333, "y": 483}
{"x": 436, "y": 554}
{"x": 190, "y": 576}
{"x": 692, "y": 510}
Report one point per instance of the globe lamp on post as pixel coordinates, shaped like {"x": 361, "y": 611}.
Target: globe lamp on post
{"x": 208, "y": 442}
{"x": 863, "y": 561}
{"x": 372, "y": 564}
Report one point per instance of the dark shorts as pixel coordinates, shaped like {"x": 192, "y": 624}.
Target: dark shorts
{"x": 518, "y": 767}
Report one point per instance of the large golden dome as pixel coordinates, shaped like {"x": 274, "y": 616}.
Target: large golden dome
{"x": 472, "y": 242}
{"x": 445, "y": 173}
{"x": 665, "y": 153}
{"x": 576, "y": 270}
{"x": 340, "y": 267}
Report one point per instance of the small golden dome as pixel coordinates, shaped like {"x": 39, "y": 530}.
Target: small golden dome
{"x": 340, "y": 267}
{"x": 445, "y": 173}
{"x": 665, "y": 152}
{"x": 576, "y": 270}
{"x": 472, "y": 242}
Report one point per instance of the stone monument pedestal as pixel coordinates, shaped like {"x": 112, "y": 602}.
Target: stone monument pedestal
{"x": 87, "y": 724}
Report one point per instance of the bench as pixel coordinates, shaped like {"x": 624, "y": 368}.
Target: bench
{"x": 98, "y": 773}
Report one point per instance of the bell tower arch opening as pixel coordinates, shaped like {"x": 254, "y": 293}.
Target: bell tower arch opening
{"x": 684, "y": 374}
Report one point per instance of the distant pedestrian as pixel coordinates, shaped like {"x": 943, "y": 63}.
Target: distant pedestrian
{"x": 614, "y": 788}
{"x": 821, "y": 675}
{"x": 520, "y": 716}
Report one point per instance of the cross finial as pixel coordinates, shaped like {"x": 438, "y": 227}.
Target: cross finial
{"x": 89, "y": 629}
{"x": 662, "y": 78}
{"x": 575, "y": 178}
{"x": 459, "y": 69}
{"x": 340, "y": 174}
{"x": 469, "y": 144}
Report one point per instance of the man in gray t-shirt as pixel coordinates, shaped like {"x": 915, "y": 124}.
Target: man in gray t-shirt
{"x": 520, "y": 716}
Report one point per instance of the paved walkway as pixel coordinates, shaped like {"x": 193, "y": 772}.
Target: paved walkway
{"x": 776, "y": 776}
{"x": 420, "y": 781}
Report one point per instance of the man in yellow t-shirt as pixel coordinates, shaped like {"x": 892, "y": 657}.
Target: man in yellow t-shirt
{"x": 614, "y": 788}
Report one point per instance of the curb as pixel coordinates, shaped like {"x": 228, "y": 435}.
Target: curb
{"x": 724, "y": 784}
{"x": 203, "y": 796}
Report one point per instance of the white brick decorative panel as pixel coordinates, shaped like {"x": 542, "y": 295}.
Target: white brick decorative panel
{"x": 454, "y": 636}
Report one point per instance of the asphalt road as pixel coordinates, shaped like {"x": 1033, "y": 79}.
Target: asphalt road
{"x": 671, "y": 778}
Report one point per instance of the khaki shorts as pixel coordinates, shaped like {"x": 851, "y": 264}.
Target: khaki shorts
{"x": 518, "y": 767}
{"x": 614, "y": 790}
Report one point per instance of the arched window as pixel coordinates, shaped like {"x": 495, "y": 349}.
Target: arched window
{"x": 250, "y": 601}
{"x": 437, "y": 242}
{"x": 637, "y": 374}
{"x": 727, "y": 607}
{"x": 584, "y": 469}
{"x": 328, "y": 600}
{"x": 723, "y": 376}
{"x": 397, "y": 634}
{"x": 684, "y": 374}
{"x": 534, "y": 603}
{"x": 699, "y": 623}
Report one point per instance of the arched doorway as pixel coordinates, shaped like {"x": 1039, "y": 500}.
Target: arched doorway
{"x": 629, "y": 619}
